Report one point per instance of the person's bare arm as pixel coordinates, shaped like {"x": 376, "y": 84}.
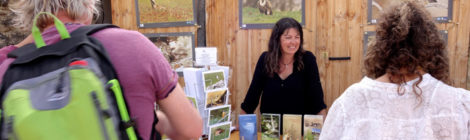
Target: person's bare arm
{"x": 27, "y": 40}
{"x": 178, "y": 119}
{"x": 323, "y": 113}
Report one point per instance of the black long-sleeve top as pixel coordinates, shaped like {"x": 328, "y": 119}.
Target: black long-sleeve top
{"x": 299, "y": 93}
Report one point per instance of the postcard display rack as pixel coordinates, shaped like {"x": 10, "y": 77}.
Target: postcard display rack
{"x": 209, "y": 90}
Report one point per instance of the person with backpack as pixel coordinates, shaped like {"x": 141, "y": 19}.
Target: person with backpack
{"x": 144, "y": 74}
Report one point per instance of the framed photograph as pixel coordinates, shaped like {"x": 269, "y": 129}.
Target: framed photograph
{"x": 178, "y": 48}
{"x": 370, "y": 36}
{"x": 213, "y": 80}
{"x": 216, "y": 98}
{"x": 220, "y": 131}
{"x": 445, "y": 35}
{"x": 441, "y": 10}
{"x": 270, "y": 126}
{"x": 165, "y": 13}
{"x": 263, "y": 14}
{"x": 219, "y": 114}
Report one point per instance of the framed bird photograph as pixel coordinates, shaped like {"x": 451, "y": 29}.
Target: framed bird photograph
{"x": 440, "y": 10}
{"x": 165, "y": 13}
{"x": 177, "y": 48}
{"x": 263, "y": 14}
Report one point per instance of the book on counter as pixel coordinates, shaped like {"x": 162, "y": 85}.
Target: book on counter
{"x": 312, "y": 126}
{"x": 291, "y": 127}
{"x": 247, "y": 126}
{"x": 270, "y": 126}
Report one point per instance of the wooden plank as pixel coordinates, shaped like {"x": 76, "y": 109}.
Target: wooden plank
{"x": 321, "y": 35}
{"x": 462, "y": 40}
{"x": 354, "y": 15}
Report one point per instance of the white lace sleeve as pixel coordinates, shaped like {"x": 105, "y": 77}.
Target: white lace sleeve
{"x": 334, "y": 124}
{"x": 466, "y": 109}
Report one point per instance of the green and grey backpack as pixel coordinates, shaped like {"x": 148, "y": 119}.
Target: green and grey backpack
{"x": 66, "y": 90}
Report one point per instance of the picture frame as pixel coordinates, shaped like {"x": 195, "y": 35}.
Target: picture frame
{"x": 220, "y": 131}
{"x": 370, "y": 35}
{"x": 263, "y": 14}
{"x": 219, "y": 114}
{"x": 213, "y": 80}
{"x": 440, "y": 10}
{"x": 445, "y": 35}
{"x": 165, "y": 13}
{"x": 216, "y": 98}
{"x": 177, "y": 48}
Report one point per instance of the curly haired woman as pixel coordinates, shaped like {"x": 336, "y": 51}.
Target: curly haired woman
{"x": 405, "y": 95}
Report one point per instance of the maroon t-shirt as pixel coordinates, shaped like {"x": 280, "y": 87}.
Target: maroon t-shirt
{"x": 143, "y": 71}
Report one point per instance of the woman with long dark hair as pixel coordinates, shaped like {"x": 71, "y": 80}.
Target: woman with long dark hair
{"x": 286, "y": 76}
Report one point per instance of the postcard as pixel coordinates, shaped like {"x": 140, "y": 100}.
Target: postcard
{"x": 216, "y": 98}
{"x": 219, "y": 114}
{"x": 220, "y": 131}
{"x": 193, "y": 101}
{"x": 213, "y": 80}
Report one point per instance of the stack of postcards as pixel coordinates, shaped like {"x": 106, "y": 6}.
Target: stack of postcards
{"x": 207, "y": 89}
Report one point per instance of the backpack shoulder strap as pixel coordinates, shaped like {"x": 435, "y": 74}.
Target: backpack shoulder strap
{"x": 26, "y": 49}
{"x": 84, "y": 30}
{"x": 91, "y": 29}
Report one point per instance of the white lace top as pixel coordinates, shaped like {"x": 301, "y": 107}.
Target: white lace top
{"x": 373, "y": 110}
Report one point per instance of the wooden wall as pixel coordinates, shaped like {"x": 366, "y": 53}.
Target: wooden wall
{"x": 334, "y": 28}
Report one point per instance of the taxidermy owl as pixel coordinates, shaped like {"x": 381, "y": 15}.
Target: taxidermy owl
{"x": 265, "y": 7}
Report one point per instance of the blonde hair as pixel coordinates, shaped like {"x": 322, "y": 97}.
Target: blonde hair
{"x": 26, "y": 10}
